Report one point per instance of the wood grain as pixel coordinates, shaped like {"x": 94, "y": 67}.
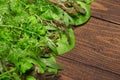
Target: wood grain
{"x": 96, "y": 55}
{"x": 79, "y": 71}
{"x": 98, "y": 45}
{"x": 108, "y": 10}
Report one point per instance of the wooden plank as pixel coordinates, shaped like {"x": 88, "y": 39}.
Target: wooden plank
{"x": 78, "y": 71}
{"x": 63, "y": 77}
{"x": 98, "y": 45}
{"x": 107, "y": 9}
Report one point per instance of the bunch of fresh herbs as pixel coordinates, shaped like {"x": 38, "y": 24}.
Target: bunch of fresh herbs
{"x": 33, "y": 32}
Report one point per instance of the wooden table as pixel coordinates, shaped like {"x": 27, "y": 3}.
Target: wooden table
{"x": 96, "y": 55}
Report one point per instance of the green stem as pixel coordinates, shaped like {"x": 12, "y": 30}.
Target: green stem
{"x": 7, "y": 72}
{"x": 3, "y": 66}
{"x": 19, "y": 29}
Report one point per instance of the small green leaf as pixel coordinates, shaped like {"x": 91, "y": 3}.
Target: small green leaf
{"x": 16, "y": 76}
{"x": 35, "y": 62}
{"x": 50, "y": 62}
{"x": 55, "y": 71}
{"x": 30, "y": 78}
{"x": 24, "y": 66}
{"x": 51, "y": 45}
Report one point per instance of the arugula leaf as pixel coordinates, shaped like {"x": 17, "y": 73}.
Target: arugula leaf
{"x": 52, "y": 45}
{"x": 24, "y": 66}
{"x": 40, "y": 65}
{"x": 33, "y": 33}
{"x": 16, "y": 76}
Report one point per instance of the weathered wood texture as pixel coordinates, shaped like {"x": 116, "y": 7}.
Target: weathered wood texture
{"x": 96, "y": 55}
{"x": 80, "y": 71}
{"x": 107, "y": 10}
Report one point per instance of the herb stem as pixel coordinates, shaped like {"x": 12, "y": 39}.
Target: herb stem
{"x": 7, "y": 72}
{"x": 19, "y": 29}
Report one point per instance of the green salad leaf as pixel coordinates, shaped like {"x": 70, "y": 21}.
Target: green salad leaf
{"x": 34, "y": 32}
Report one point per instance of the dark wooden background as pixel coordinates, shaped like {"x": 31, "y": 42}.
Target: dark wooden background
{"x": 96, "y": 55}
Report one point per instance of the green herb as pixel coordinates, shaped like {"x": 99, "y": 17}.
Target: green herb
{"x": 33, "y": 32}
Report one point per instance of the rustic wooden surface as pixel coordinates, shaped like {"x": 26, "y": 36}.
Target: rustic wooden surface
{"x": 96, "y": 55}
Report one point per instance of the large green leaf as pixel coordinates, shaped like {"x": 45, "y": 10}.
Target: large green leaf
{"x": 82, "y": 18}
{"x": 65, "y": 45}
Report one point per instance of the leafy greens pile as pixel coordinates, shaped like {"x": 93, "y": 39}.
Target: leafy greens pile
{"x": 33, "y": 32}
